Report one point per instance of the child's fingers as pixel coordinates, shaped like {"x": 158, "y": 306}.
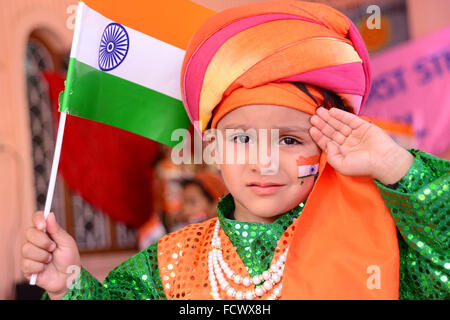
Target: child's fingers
{"x": 39, "y": 220}
{"x": 39, "y": 239}
{"x": 334, "y": 156}
{"x": 327, "y": 130}
{"x": 30, "y": 266}
{"x": 28, "y": 277}
{"x": 347, "y": 118}
{"x": 31, "y": 252}
{"x": 319, "y": 138}
{"x": 333, "y": 122}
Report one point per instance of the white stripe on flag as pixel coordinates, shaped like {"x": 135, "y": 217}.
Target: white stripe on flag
{"x": 149, "y": 62}
{"x": 307, "y": 170}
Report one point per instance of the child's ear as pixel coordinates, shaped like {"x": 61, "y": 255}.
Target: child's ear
{"x": 212, "y": 146}
{"x": 215, "y": 154}
{"x": 217, "y": 161}
{"x": 217, "y": 157}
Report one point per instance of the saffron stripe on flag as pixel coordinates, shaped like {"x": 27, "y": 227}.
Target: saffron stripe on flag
{"x": 171, "y": 21}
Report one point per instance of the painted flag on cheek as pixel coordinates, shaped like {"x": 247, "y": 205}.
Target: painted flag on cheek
{"x": 308, "y": 166}
{"x": 125, "y": 65}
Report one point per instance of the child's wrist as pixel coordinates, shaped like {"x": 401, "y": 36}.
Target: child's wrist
{"x": 394, "y": 166}
{"x": 57, "y": 295}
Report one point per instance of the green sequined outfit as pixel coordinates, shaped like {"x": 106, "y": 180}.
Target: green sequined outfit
{"x": 418, "y": 204}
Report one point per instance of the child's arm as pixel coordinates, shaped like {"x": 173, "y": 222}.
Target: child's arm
{"x": 54, "y": 256}
{"x": 135, "y": 279}
{"x": 84, "y": 281}
{"x": 418, "y": 204}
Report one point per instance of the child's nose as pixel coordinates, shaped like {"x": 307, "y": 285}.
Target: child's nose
{"x": 266, "y": 161}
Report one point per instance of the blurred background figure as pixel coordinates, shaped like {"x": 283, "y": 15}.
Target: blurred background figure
{"x": 167, "y": 189}
{"x": 201, "y": 195}
{"x": 166, "y": 193}
{"x": 150, "y": 232}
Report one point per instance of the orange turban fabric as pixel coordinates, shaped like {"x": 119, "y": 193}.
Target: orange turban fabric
{"x": 276, "y": 41}
{"x": 248, "y": 55}
{"x": 276, "y": 93}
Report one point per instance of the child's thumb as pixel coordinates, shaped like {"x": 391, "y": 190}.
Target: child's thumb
{"x": 58, "y": 234}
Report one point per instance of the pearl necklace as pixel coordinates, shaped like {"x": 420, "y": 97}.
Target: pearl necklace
{"x": 217, "y": 267}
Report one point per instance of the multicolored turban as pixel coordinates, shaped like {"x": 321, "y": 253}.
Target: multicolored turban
{"x": 251, "y": 54}
{"x": 273, "y": 42}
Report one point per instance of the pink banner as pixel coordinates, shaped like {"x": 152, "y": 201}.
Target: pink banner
{"x": 411, "y": 83}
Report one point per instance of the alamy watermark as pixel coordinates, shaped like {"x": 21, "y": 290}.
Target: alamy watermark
{"x": 374, "y": 20}
{"x": 72, "y": 11}
{"x": 374, "y": 280}
{"x": 234, "y": 146}
{"x": 74, "y": 272}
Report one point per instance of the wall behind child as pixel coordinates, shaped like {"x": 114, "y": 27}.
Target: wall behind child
{"x": 52, "y": 20}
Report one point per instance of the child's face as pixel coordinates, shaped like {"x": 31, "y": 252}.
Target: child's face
{"x": 265, "y": 204}
{"x": 194, "y": 202}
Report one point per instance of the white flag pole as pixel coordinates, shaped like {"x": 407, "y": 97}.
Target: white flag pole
{"x": 62, "y": 122}
{"x": 53, "y": 174}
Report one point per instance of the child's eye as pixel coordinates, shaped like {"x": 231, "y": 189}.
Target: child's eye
{"x": 289, "y": 141}
{"x": 242, "y": 138}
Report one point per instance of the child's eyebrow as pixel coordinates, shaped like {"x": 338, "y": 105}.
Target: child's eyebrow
{"x": 282, "y": 129}
{"x": 293, "y": 129}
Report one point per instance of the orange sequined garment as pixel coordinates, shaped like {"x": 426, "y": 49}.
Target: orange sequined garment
{"x": 183, "y": 261}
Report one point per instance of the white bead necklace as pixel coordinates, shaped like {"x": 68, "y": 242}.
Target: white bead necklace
{"x": 217, "y": 267}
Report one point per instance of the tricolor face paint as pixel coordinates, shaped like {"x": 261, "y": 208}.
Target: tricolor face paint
{"x": 308, "y": 166}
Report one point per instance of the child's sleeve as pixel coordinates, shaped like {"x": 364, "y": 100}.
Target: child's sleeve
{"x": 419, "y": 205}
{"x": 135, "y": 279}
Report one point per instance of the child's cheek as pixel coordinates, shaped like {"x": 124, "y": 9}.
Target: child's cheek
{"x": 307, "y": 166}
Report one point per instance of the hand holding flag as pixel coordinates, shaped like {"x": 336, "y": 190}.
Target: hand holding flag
{"x": 51, "y": 254}
{"x": 123, "y": 73}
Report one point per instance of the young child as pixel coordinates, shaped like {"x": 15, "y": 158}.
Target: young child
{"x": 345, "y": 214}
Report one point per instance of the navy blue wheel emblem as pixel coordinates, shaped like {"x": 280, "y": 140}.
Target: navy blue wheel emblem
{"x": 113, "y": 47}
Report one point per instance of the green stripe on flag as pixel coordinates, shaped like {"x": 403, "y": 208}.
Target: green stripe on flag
{"x": 103, "y": 97}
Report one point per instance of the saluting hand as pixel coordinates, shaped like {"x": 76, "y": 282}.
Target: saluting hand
{"x": 356, "y": 147}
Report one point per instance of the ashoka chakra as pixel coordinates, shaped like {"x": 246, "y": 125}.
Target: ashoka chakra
{"x": 113, "y": 47}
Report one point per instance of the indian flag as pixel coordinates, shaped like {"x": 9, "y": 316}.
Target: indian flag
{"x": 308, "y": 166}
{"x": 125, "y": 64}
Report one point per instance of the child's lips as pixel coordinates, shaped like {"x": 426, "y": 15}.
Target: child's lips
{"x": 264, "y": 188}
